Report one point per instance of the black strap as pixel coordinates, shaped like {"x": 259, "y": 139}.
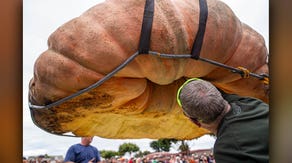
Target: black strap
{"x": 201, "y": 31}
{"x": 144, "y": 44}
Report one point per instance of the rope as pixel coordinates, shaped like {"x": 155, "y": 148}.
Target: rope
{"x": 98, "y": 83}
{"x": 245, "y": 73}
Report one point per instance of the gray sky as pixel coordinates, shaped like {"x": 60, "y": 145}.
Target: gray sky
{"x": 42, "y": 17}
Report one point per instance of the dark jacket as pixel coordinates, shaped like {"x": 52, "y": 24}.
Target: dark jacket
{"x": 243, "y": 135}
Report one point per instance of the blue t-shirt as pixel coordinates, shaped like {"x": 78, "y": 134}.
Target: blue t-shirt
{"x": 82, "y": 154}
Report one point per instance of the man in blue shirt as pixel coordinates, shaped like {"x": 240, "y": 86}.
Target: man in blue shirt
{"x": 83, "y": 152}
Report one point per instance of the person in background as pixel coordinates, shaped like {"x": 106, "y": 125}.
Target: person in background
{"x": 241, "y": 124}
{"x": 24, "y": 160}
{"x": 131, "y": 160}
{"x": 40, "y": 158}
{"x": 83, "y": 152}
{"x": 204, "y": 159}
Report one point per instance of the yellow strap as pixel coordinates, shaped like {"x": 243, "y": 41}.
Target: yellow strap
{"x": 266, "y": 80}
{"x": 245, "y": 72}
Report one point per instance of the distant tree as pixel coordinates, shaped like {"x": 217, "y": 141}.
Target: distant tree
{"x": 184, "y": 147}
{"x": 107, "y": 154}
{"x": 162, "y": 144}
{"x": 141, "y": 154}
{"x": 146, "y": 153}
{"x": 155, "y": 146}
{"x": 128, "y": 147}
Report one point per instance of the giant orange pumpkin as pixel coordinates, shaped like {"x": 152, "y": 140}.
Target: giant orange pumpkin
{"x": 140, "y": 100}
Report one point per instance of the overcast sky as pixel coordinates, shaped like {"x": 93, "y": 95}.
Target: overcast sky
{"x": 42, "y": 17}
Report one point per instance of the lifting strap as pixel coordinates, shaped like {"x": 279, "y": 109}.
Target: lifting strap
{"x": 201, "y": 30}
{"x": 145, "y": 35}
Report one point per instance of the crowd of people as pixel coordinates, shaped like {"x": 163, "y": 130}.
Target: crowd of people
{"x": 172, "y": 158}
{"x": 42, "y": 159}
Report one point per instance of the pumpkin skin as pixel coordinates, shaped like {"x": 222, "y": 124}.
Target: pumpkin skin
{"x": 140, "y": 100}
